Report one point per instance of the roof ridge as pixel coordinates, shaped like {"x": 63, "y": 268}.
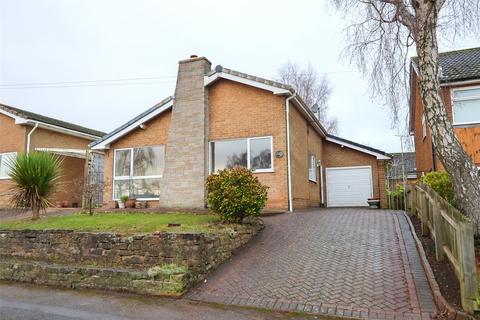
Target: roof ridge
{"x": 219, "y": 68}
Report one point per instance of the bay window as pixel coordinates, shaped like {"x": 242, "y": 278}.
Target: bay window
{"x": 466, "y": 106}
{"x": 138, "y": 172}
{"x": 252, "y": 153}
{"x": 5, "y": 158}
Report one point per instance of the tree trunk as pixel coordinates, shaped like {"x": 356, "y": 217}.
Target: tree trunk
{"x": 465, "y": 178}
{"x": 35, "y": 213}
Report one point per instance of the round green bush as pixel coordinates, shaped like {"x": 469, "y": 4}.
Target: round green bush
{"x": 235, "y": 194}
{"x": 441, "y": 183}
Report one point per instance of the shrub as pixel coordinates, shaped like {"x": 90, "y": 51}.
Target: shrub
{"x": 34, "y": 176}
{"x": 235, "y": 194}
{"x": 399, "y": 190}
{"x": 441, "y": 182}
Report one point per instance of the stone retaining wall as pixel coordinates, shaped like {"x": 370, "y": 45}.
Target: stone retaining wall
{"x": 113, "y": 261}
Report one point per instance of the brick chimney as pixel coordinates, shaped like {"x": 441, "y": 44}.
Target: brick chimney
{"x": 183, "y": 183}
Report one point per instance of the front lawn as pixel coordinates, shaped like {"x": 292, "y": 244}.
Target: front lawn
{"x": 129, "y": 223}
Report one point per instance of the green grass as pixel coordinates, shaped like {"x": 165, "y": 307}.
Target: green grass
{"x": 127, "y": 223}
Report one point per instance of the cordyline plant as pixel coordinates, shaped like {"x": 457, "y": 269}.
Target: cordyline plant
{"x": 381, "y": 35}
{"x": 34, "y": 176}
{"x": 235, "y": 194}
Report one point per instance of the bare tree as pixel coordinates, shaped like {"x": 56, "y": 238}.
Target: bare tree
{"x": 381, "y": 34}
{"x": 315, "y": 90}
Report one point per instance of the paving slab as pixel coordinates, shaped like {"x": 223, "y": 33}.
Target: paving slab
{"x": 345, "y": 262}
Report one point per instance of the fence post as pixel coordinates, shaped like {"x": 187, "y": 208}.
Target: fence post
{"x": 414, "y": 200}
{"x": 438, "y": 231}
{"x": 468, "y": 266}
{"x": 424, "y": 213}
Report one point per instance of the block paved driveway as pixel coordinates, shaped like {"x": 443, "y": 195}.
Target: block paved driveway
{"x": 349, "y": 262}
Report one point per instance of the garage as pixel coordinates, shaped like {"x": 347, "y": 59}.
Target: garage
{"x": 349, "y": 186}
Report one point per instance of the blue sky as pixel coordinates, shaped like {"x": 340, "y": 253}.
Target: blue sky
{"x": 76, "y": 40}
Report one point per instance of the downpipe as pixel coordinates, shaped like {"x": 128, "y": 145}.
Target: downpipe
{"x": 289, "y": 169}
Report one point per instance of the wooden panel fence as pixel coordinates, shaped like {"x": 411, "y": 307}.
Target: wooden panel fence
{"x": 452, "y": 233}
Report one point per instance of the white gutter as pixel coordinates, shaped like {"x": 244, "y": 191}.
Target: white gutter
{"x": 289, "y": 169}
{"x": 29, "y": 134}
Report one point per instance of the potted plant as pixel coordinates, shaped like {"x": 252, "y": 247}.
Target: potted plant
{"x": 130, "y": 203}
{"x": 374, "y": 203}
{"x": 122, "y": 201}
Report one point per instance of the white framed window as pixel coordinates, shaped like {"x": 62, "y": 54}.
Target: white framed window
{"x": 424, "y": 126}
{"x": 137, "y": 172}
{"x": 252, "y": 153}
{"x": 312, "y": 168}
{"x": 4, "y": 160}
{"x": 466, "y": 106}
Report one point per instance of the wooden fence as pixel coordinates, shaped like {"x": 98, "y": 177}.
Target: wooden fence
{"x": 452, "y": 233}
{"x": 396, "y": 202}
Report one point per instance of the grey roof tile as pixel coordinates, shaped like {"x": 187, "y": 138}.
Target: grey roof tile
{"x": 38, "y": 117}
{"x": 458, "y": 65}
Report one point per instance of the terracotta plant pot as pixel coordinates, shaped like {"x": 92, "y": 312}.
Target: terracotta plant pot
{"x": 65, "y": 204}
{"x": 112, "y": 204}
{"x": 130, "y": 203}
{"x": 58, "y": 204}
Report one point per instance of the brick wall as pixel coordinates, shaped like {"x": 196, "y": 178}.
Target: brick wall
{"x": 336, "y": 156}
{"x": 155, "y": 133}
{"x": 304, "y": 141}
{"x": 241, "y": 111}
{"x": 12, "y": 140}
{"x": 469, "y": 136}
{"x": 70, "y": 187}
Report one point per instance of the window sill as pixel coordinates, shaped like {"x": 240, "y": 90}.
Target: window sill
{"x": 143, "y": 199}
{"x": 263, "y": 171}
{"x": 314, "y": 181}
{"x": 5, "y": 178}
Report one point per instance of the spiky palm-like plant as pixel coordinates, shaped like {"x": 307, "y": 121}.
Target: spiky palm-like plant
{"x": 34, "y": 176}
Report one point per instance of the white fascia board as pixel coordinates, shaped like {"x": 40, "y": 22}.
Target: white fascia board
{"x": 214, "y": 77}
{"x": 59, "y": 129}
{"x": 18, "y": 120}
{"x": 351, "y": 146}
{"x": 106, "y": 144}
{"x": 457, "y": 83}
{"x": 77, "y": 153}
{"x": 51, "y": 127}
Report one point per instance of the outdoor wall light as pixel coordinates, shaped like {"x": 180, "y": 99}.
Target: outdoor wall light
{"x": 279, "y": 154}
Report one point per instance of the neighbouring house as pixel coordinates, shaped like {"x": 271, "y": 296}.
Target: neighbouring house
{"x": 23, "y": 131}
{"x": 460, "y": 89}
{"x": 400, "y": 165}
{"x": 222, "y": 118}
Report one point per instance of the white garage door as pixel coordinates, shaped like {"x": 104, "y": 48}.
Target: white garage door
{"x": 349, "y": 186}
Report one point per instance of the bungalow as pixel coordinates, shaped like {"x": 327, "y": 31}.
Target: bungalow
{"x": 222, "y": 118}
{"x": 460, "y": 90}
{"x": 24, "y": 131}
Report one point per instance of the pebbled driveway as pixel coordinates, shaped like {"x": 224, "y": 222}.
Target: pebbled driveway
{"x": 349, "y": 262}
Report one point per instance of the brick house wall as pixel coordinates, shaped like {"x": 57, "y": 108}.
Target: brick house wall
{"x": 73, "y": 169}
{"x": 155, "y": 133}
{"x": 336, "y": 156}
{"x": 469, "y": 136}
{"x": 304, "y": 141}
{"x": 241, "y": 111}
{"x": 13, "y": 140}
{"x": 73, "y": 173}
